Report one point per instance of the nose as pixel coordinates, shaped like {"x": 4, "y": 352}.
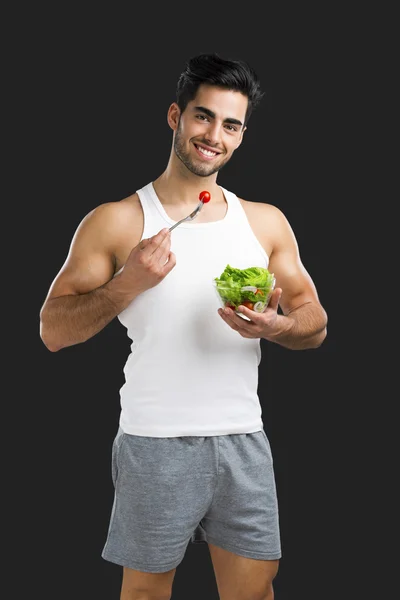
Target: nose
{"x": 213, "y": 134}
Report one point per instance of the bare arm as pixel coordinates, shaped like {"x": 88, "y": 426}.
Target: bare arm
{"x": 74, "y": 318}
{"x": 85, "y": 296}
{"x": 303, "y": 328}
{"x": 304, "y": 321}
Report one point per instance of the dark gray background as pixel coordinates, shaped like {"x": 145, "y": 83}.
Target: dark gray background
{"x": 90, "y": 127}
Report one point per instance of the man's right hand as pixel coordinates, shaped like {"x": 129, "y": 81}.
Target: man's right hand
{"x": 150, "y": 261}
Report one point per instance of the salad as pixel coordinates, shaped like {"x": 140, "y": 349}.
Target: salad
{"x": 250, "y": 287}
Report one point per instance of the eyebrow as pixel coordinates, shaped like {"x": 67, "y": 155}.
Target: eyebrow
{"x": 211, "y": 114}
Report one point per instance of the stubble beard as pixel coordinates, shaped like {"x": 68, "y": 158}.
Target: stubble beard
{"x": 200, "y": 169}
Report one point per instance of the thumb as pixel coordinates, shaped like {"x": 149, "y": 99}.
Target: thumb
{"x": 275, "y": 297}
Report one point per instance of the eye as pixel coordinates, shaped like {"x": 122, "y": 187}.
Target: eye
{"x": 201, "y": 117}
{"x": 231, "y": 128}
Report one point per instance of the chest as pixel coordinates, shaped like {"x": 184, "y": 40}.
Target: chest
{"x": 132, "y": 233}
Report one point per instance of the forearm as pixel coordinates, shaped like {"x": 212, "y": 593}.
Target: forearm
{"x": 302, "y": 328}
{"x": 73, "y": 319}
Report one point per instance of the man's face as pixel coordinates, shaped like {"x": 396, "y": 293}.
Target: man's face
{"x": 210, "y": 129}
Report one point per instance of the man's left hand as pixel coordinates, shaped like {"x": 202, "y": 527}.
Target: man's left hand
{"x": 261, "y": 325}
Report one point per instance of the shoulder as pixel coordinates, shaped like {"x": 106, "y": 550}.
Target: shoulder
{"x": 262, "y": 210}
{"x": 111, "y": 228}
{"x": 112, "y": 219}
{"x": 113, "y": 212}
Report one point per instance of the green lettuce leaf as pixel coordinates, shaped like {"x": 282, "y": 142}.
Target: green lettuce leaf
{"x": 231, "y": 281}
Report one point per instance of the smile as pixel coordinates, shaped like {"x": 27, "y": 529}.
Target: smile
{"x": 207, "y": 154}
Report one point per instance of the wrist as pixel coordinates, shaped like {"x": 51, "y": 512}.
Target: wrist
{"x": 120, "y": 291}
{"x": 283, "y": 326}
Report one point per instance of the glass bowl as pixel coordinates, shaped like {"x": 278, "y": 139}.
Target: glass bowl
{"x": 254, "y": 298}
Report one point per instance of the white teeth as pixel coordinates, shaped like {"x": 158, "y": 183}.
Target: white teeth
{"x": 206, "y": 152}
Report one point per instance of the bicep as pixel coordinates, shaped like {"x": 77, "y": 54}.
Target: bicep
{"x": 290, "y": 273}
{"x": 89, "y": 263}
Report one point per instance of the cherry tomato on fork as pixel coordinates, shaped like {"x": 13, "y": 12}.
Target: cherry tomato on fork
{"x": 205, "y": 196}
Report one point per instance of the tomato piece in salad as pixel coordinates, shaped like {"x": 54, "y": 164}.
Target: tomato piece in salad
{"x": 248, "y": 304}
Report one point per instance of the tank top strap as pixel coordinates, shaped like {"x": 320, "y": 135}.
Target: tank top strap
{"x": 238, "y": 219}
{"x": 153, "y": 219}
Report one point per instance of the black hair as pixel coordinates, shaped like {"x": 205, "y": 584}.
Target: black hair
{"x": 211, "y": 69}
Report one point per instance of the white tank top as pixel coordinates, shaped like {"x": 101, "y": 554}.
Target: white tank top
{"x": 188, "y": 372}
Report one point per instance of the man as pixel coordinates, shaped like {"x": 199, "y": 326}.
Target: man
{"x": 191, "y": 460}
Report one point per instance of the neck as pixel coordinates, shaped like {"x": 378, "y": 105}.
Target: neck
{"x": 178, "y": 186}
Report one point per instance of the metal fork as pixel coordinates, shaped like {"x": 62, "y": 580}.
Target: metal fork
{"x": 190, "y": 217}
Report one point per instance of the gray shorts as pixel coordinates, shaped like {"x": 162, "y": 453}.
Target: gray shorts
{"x": 171, "y": 491}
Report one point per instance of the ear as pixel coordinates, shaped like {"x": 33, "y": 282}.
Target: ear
{"x": 173, "y": 115}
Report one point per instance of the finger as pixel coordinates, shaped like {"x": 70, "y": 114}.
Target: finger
{"x": 161, "y": 253}
{"x": 235, "y": 321}
{"x": 247, "y": 312}
{"x": 227, "y": 318}
{"x": 275, "y": 297}
{"x": 143, "y": 243}
{"x": 157, "y": 239}
{"x": 169, "y": 265}
{"x": 146, "y": 241}
{"x": 255, "y": 317}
